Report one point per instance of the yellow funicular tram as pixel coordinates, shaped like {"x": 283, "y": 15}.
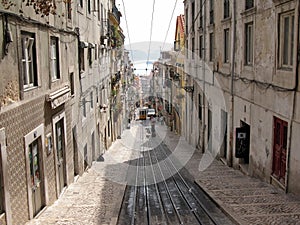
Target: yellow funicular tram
{"x": 143, "y": 113}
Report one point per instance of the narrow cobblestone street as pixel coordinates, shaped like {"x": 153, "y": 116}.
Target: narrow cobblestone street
{"x": 95, "y": 198}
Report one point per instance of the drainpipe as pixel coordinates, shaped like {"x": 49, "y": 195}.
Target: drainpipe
{"x": 204, "y": 80}
{"x": 294, "y": 97}
{"x": 233, "y": 44}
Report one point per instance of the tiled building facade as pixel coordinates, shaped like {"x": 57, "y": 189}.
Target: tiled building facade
{"x": 45, "y": 138}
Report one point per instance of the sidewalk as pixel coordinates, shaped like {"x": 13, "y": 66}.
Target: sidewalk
{"x": 94, "y": 198}
{"x": 245, "y": 199}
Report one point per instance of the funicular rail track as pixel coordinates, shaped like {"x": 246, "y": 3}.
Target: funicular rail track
{"x": 163, "y": 193}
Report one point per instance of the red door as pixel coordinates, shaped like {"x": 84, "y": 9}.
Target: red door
{"x": 279, "y": 149}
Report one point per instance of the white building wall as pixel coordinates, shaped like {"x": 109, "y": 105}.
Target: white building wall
{"x": 256, "y": 89}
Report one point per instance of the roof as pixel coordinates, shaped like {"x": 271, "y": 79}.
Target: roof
{"x": 180, "y": 25}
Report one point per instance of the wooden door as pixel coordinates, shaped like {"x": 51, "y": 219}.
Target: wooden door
{"x": 279, "y": 149}
{"x": 60, "y": 151}
{"x": 36, "y": 177}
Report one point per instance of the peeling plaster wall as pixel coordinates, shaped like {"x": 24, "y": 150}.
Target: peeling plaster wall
{"x": 255, "y": 103}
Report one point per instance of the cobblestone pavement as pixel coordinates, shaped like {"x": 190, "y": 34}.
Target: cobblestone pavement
{"x": 249, "y": 200}
{"x": 245, "y": 199}
{"x": 95, "y": 198}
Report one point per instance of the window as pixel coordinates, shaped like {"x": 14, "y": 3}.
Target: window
{"x": 80, "y": 2}
{"x": 54, "y": 58}
{"x": 84, "y": 107}
{"x": 82, "y": 64}
{"x": 108, "y": 128}
{"x": 72, "y": 84}
{"x": 97, "y": 95}
{"x": 193, "y": 16}
{"x": 98, "y": 10}
{"x": 89, "y": 56}
{"x": 186, "y": 21}
{"x": 85, "y": 155}
{"x": 89, "y": 6}
{"x": 93, "y": 147}
{"x": 201, "y": 14}
{"x": 92, "y": 100}
{"x": 286, "y": 40}
{"x": 69, "y": 10}
{"x": 187, "y": 48}
{"x": 211, "y": 12}
{"x": 249, "y": 43}
{"x": 249, "y": 4}
{"x": 201, "y": 46}
{"x": 226, "y": 45}
{"x": 96, "y": 52}
{"x": 226, "y": 9}
{"x": 199, "y": 107}
{"x": 193, "y": 48}
{"x": 211, "y": 47}
{"x": 28, "y": 60}
{"x": 102, "y": 15}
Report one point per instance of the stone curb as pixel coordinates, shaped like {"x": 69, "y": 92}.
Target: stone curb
{"x": 235, "y": 218}
{"x": 118, "y": 205}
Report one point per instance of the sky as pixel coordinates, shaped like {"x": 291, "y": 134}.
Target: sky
{"x": 138, "y": 14}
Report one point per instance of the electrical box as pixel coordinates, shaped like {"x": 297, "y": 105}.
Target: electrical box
{"x": 242, "y": 142}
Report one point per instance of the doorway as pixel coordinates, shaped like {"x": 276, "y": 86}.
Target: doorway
{"x": 35, "y": 170}
{"x": 224, "y": 134}
{"x": 85, "y": 156}
{"x": 60, "y": 153}
{"x": 209, "y": 128}
{"x": 36, "y": 176}
{"x": 75, "y": 152}
{"x": 93, "y": 147}
{"x": 279, "y": 149}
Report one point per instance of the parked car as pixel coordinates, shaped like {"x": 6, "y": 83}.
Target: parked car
{"x": 151, "y": 112}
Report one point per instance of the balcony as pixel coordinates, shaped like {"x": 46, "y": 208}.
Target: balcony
{"x": 115, "y": 79}
{"x": 115, "y": 15}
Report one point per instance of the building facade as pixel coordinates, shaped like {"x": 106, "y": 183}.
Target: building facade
{"x": 246, "y": 85}
{"x": 54, "y": 98}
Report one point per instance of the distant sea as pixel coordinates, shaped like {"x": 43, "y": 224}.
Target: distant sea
{"x": 139, "y": 52}
{"x": 141, "y": 66}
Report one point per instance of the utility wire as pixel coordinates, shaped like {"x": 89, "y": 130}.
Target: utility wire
{"x": 130, "y": 49}
{"x": 150, "y": 33}
{"x": 169, "y": 24}
{"x": 260, "y": 84}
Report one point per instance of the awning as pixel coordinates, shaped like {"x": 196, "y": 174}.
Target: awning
{"x": 58, "y": 97}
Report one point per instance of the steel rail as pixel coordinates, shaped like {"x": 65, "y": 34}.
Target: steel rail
{"x": 179, "y": 217}
{"x": 159, "y": 197}
{"x": 189, "y": 187}
{"x": 185, "y": 199}
{"x": 135, "y": 188}
{"x": 145, "y": 181}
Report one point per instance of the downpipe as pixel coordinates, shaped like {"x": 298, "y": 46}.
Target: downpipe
{"x": 294, "y": 97}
